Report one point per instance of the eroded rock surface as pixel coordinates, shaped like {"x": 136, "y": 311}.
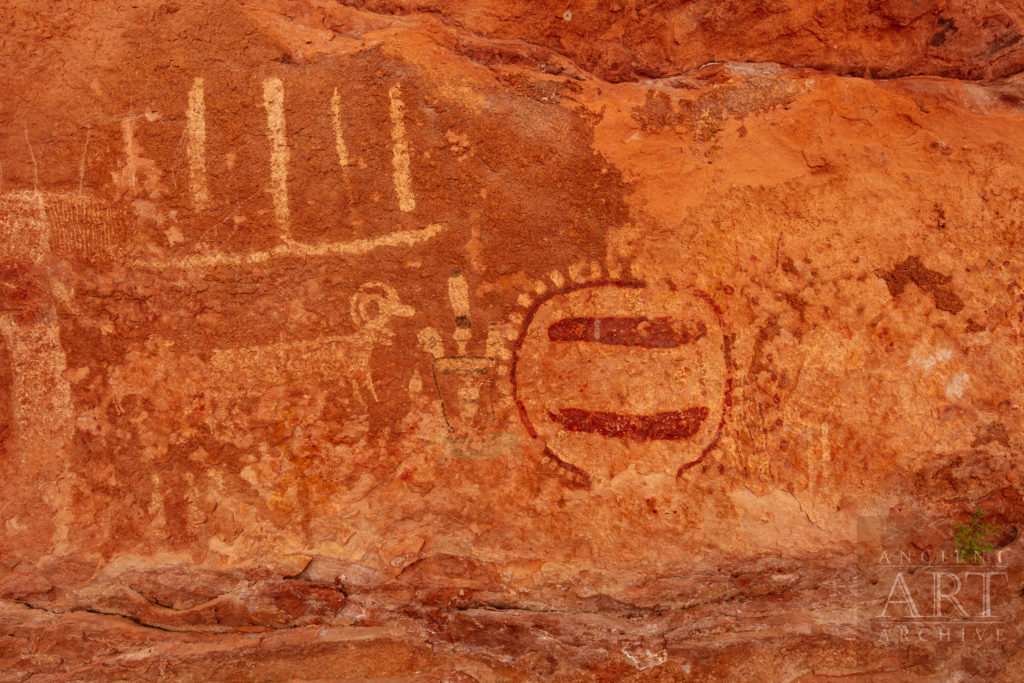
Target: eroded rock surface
{"x": 498, "y": 341}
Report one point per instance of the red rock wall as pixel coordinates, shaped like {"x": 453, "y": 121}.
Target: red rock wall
{"x": 487, "y": 341}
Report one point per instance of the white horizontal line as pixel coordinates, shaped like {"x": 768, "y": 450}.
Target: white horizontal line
{"x": 292, "y": 249}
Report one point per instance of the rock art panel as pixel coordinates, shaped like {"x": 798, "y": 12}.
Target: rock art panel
{"x": 502, "y": 342}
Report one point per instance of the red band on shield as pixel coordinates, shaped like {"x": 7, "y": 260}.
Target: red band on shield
{"x": 667, "y": 426}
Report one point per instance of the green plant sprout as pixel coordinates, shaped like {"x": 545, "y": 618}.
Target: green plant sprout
{"x": 974, "y": 539}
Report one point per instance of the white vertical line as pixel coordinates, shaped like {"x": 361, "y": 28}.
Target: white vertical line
{"x": 35, "y": 166}
{"x": 339, "y": 140}
{"x": 458, "y": 294}
{"x": 81, "y": 166}
{"x": 196, "y": 145}
{"x": 403, "y": 182}
{"x": 273, "y": 101}
{"x": 130, "y": 161}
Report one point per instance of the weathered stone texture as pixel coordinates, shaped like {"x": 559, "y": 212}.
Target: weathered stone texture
{"x": 503, "y": 341}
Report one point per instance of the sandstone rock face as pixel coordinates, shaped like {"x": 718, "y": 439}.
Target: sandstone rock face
{"x": 507, "y": 341}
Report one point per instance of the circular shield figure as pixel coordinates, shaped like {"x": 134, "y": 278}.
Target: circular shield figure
{"x": 613, "y": 374}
